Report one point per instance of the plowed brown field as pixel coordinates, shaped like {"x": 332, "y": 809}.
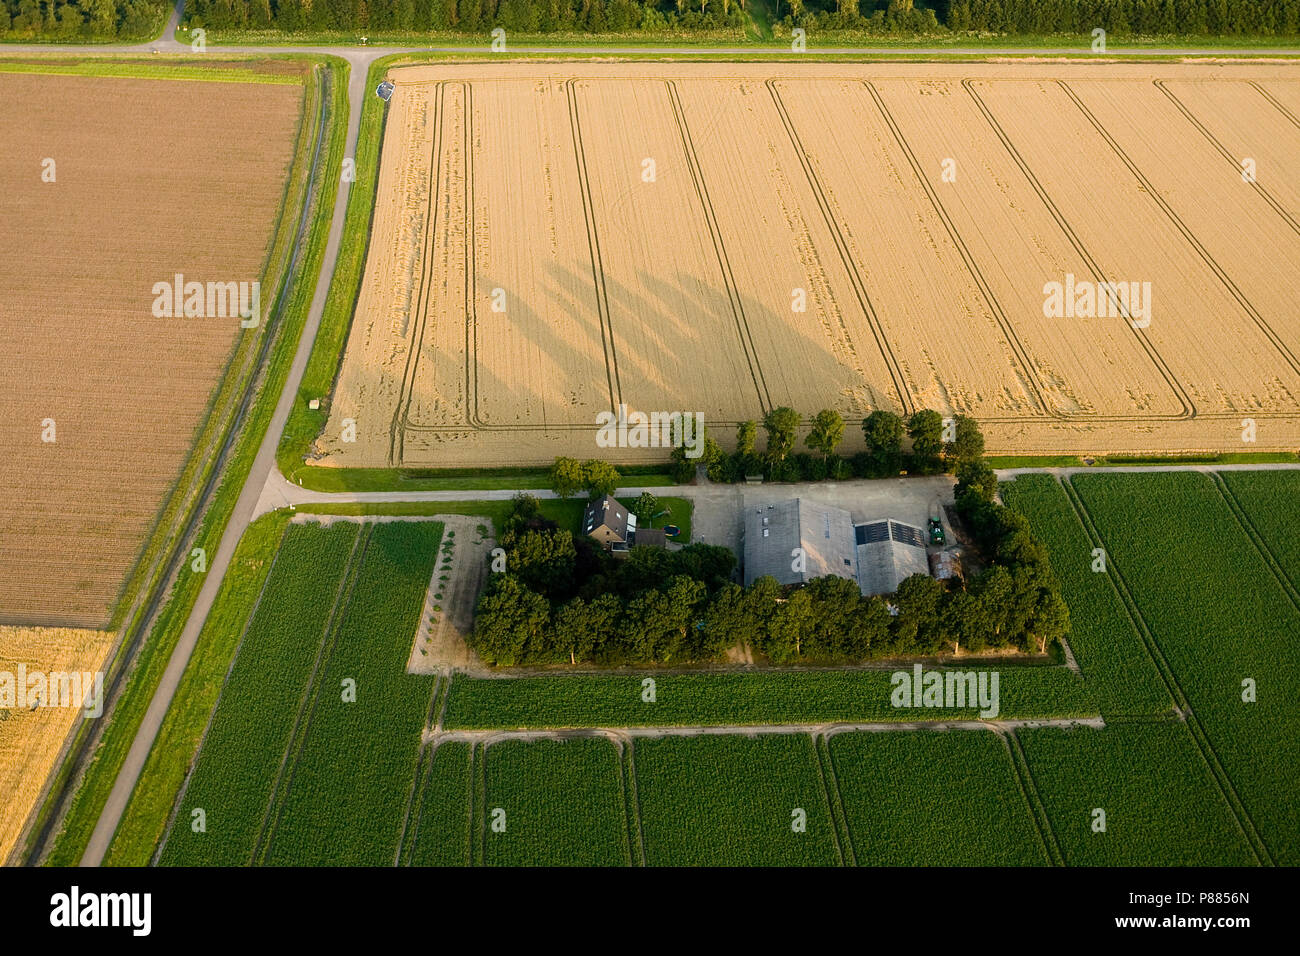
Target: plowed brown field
{"x": 152, "y": 178}
{"x": 551, "y": 240}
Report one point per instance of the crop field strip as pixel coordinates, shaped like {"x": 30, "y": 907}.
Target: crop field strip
{"x": 1116, "y": 663}
{"x": 1172, "y": 813}
{"x": 151, "y": 364}
{"x": 376, "y": 571}
{"x": 252, "y": 729}
{"x": 549, "y": 154}
{"x": 1212, "y": 646}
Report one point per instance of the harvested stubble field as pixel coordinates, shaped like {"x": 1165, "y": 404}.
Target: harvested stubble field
{"x": 30, "y": 740}
{"x": 151, "y": 178}
{"x": 535, "y": 258}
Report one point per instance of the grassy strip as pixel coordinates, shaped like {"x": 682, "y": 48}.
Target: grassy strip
{"x": 260, "y": 701}
{"x": 442, "y": 835}
{"x": 562, "y": 800}
{"x": 155, "y": 71}
{"x": 1169, "y": 814}
{"x": 125, "y": 720}
{"x": 732, "y": 801}
{"x": 567, "y": 514}
{"x": 932, "y": 798}
{"x": 146, "y": 815}
{"x": 1110, "y": 652}
{"x": 318, "y": 379}
{"x": 779, "y": 41}
{"x": 751, "y": 698}
{"x": 1219, "y": 617}
{"x": 347, "y": 796}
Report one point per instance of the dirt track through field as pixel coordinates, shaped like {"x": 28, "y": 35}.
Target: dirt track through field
{"x": 825, "y": 235}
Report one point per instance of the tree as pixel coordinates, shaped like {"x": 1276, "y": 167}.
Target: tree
{"x": 746, "y": 438}
{"x": 780, "y": 424}
{"x": 916, "y": 626}
{"x": 788, "y": 626}
{"x": 645, "y": 508}
{"x": 600, "y": 478}
{"x": 507, "y": 620}
{"x": 544, "y": 562}
{"x": 727, "y": 621}
{"x": 586, "y": 628}
{"x": 967, "y": 446}
{"x": 567, "y": 477}
{"x": 883, "y": 432}
{"x": 979, "y": 477}
{"x": 925, "y": 428}
{"x": 827, "y": 432}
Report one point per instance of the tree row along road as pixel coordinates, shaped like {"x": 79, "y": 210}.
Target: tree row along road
{"x": 264, "y": 484}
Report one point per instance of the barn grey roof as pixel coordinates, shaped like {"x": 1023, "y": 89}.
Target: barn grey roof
{"x": 887, "y": 552}
{"x": 774, "y": 531}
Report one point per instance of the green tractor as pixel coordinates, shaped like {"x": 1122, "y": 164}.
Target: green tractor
{"x": 937, "y": 537}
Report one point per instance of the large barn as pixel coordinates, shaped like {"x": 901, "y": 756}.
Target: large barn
{"x": 798, "y": 540}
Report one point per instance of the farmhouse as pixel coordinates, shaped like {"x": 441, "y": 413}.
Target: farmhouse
{"x": 798, "y": 540}
{"x": 610, "y": 524}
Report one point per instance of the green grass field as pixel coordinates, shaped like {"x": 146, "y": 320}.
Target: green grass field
{"x": 934, "y": 799}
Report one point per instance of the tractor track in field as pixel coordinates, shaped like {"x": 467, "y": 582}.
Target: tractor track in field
{"x": 1197, "y": 731}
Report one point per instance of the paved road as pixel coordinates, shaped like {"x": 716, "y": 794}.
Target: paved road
{"x": 245, "y": 510}
{"x": 264, "y": 480}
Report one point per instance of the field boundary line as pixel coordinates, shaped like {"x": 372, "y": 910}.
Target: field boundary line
{"x": 307, "y": 702}
{"x": 419, "y": 313}
{"x": 903, "y": 393}
{"x": 719, "y": 248}
{"x": 1153, "y": 354}
{"x": 1203, "y": 745}
{"x": 607, "y": 343}
{"x": 1247, "y": 524}
{"x": 50, "y": 814}
{"x": 1277, "y": 104}
{"x": 216, "y": 705}
{"x": 423, "y": 767}
{"x": 1187, "y": 233}
{"x": 632, "y": 803}
{"x": 1033, "y": 800}
{"x": 840, "y": 836}
{"x": 1022, "y": 356}
{"x": 1223, "y": 151}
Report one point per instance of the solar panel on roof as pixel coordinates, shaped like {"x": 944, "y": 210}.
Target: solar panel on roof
{"x": 871, "y": 533}
{"x": 906, "y": 534}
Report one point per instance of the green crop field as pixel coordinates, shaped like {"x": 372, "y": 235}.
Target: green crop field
{"x": 560, "y": 802}
{"x": 440, "y": 822}
{"x": 245, "y": 745}
{"x": 731, "y": 801}
{"x": 312, "y": 752}
{"x": 1110, "y": 652}
{"x": 1162, "y": 806}
{"x": 809, "y": 696}
{"x": 355, "y": 769}
{"x": 1271, "y": 500}
{"x": 930, "y": 798}
{"x": 1221, "y": 618}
